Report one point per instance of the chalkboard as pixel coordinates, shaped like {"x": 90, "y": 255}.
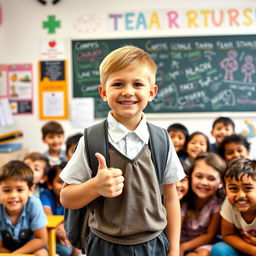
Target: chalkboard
{"x": 195, "y": 74}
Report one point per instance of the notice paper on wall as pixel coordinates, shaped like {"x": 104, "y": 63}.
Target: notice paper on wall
{"x": 20, "y": 88}
{"x": 6, "y": 117}
{"x": 82, "y": 112}
{"x": 53, "y": 90}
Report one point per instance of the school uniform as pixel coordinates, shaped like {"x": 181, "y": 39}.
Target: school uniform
{"x": 135, "y": 220}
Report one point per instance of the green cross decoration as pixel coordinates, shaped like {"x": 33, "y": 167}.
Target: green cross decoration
{"x": 51, "y": 24}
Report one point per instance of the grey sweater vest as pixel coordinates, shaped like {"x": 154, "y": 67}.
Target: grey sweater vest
{"x": 137, "y": 215}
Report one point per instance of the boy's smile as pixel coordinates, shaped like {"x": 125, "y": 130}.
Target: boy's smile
{"x": 241, "y": 193}
{"x": 128, "y": 92}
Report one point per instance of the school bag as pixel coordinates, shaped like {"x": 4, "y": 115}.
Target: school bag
{"x": 96, "y": 140}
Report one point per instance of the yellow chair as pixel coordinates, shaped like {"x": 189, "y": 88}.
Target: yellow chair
{"x": 11, "y": 254}
{"x": 53, "y": 222}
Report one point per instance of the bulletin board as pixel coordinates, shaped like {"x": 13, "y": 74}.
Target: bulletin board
{"x": 53, "y": 90}
{"x": 195, "y": 74}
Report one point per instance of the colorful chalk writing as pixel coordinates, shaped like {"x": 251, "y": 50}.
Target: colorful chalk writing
{"x": 195, "y": 74}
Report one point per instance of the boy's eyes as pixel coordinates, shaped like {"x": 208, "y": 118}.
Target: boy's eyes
{"x": 6, "y": 190}
{"x": 138, "y": 84}
{"x": 232, "y": 188}
{"x": 119, "y": 84}
{"x": 9, "y": 190}
{"x": 249, "y": 187}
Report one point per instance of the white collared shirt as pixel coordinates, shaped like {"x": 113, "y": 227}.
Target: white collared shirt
{"x": 129, "y": 143}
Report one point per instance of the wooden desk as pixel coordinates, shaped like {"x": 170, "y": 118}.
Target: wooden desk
{"x": 53, "y": 222}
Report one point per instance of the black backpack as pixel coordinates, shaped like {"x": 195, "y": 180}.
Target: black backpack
{"x": 96, "y": 140}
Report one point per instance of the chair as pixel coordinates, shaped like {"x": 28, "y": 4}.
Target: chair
{"x": 53, "y": 222}
{"x": 11, "y": 254}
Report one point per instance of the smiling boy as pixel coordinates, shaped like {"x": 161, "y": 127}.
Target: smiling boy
{"x": 131, "y": 218}
{"x": 22, "y": 219}
{"x": 238, "y": 227}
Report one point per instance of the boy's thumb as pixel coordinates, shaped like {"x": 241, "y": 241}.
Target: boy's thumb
{"x": 101, "y": 160}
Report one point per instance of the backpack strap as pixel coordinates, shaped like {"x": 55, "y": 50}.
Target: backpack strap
{"x": 96, "y": 140}
{"x": 159, "y": 145}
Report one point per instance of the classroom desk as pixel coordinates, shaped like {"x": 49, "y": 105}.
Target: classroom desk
{"x": 53, "y": 222}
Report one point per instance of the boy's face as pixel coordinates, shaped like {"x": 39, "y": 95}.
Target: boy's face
{"x": 128, "y": 92}
{"x": 242, "y": 193}
{"x": 54, "y": 141}
{"x": 182, "y": 187}
{"x": 221, "y": 130}
{"x": 233, "y": 150}
{"x": 14, "y": 195}
{"x": 197, "y": 145}
{"x": 56, "y": 185}
{"x": 178, "y": 139}
{"x": 38, "y": 167}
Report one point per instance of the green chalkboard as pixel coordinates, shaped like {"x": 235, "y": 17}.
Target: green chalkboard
{"x": 195, "y": 74}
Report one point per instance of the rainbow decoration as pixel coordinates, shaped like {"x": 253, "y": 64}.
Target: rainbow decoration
{"x": 251, "y": 130}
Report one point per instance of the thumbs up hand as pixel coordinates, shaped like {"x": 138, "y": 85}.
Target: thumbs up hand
{"x": 110, "y": 181}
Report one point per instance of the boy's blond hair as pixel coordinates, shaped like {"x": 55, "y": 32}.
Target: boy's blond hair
{"x": 123, "y": 58}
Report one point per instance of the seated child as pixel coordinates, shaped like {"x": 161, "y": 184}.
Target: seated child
{"x": 197, "y": 143}
{"x": 222, "y": 126}
{"x": 39, "y": 164}
{"x": 201, "y": 205}
{"x": 234, "y": 146}
{"x": 50, "y": 199}
{"x": 53, "y": 136}
{"x": 182, "y": 185}
{"x": 22, "y": 219}
{"x": 238, "y": 212}
{"x": 71, "y": 143}
{"x": 179, "y": 135}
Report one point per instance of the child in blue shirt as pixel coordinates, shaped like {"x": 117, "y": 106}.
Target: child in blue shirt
{"x": 50, "y": 198}
{"x": 130, "y": 217}
{"x": 22, "y": 219}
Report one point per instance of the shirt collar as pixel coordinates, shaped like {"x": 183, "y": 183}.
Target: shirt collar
{"x": 118, "y": 131}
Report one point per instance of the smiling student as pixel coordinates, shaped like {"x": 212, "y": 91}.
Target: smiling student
{"x": 238, "y": 226}
{"x": 119, "y": 224}
{"x": 22, "y": 219}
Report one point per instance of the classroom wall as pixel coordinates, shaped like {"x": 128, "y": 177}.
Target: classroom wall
{"x": 21, "y": 31}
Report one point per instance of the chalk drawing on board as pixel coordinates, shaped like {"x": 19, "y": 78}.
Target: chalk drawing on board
{"x": 248, "y": 68}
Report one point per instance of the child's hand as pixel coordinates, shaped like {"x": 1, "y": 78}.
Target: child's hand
{"x": 249, "y": 238}
{"x": 61, "y": 235}
{"x": 110, "y": 180}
